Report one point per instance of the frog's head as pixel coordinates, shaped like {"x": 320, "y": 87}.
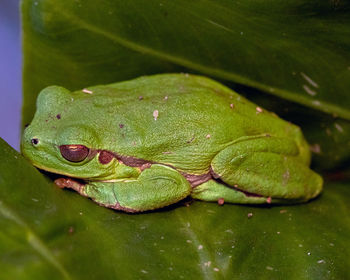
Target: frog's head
{"x": 61, "y": 140}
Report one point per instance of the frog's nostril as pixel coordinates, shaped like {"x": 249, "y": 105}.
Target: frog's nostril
{"x": 35, "y": 141}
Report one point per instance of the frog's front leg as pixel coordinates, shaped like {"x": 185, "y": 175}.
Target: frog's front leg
{"x": 156, "y": 187}
{"x": 266, "y": 170}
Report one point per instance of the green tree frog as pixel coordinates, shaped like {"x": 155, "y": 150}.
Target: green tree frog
{"x": 150, "y": 142}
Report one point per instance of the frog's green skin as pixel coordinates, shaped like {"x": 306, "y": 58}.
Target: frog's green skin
{"x": 155, "y": 140}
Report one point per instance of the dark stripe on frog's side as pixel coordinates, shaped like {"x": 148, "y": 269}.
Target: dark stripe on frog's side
{"x": 105, "y": 157}
{"x": 196, "y": 180}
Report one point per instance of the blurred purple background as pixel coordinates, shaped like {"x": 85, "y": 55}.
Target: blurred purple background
{"x": 10, "y": 72}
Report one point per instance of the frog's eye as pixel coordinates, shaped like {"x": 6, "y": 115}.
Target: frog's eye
{"x": 74, "y": 153}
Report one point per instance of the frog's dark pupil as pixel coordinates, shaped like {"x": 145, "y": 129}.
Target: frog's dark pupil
{"x": 74, "y": 153}
{"x": 35, "y": 141}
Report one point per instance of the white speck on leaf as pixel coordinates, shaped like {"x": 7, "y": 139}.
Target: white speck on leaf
{"x": 259, "y": 110}
{"x": 208, "y": 263}
{"x": 87, "y": 91}
{"x": 316, "y": 103}
{"x": 208, "y": 136}
{"x": 250, "y": 215}
{"x": 269, "y": 268}
{"x": 308, "y": 253}
{"x": 216, "y": 269}
{"x": 309, "y": 90}
{"x": 155, "y": 114}
{"x": 309, "y": 80}
{"x": 188, "y": 241}
{"x": 144, "y": 271}
{"x": 300, "y": 245}
{"x": 200, "y": 247}
{"x": 231, "y": 106}
{"x": 331, "y": 244}
{"x": 321, "y": 261}
{"x": 338, "y": 127}
{"x": 166, "y": 97}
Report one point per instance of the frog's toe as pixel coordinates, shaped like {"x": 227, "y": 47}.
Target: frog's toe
{"x": 70, "y": 183}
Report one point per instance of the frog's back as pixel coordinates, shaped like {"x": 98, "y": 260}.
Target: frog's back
{"x": 179, "y": 119}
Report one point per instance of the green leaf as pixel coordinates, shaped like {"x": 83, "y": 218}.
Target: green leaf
{"x": 297, "y": 50}
{"x": 49, "y": 233}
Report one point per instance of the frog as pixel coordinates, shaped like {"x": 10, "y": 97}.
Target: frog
{"x": 150, "y": 142}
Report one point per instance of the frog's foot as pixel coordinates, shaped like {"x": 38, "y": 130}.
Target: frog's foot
{"x": 156, "y": 187}
{"x": 260, "y": 170}
{"x": 214, "y": 190}
{"x": 70, "y": 183}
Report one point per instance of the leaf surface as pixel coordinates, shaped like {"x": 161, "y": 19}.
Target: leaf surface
{"x": 49, "y": 233}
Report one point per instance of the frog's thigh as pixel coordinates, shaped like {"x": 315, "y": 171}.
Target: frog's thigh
{"x": 270, "y": 167}
{"x": 156, "y": 187}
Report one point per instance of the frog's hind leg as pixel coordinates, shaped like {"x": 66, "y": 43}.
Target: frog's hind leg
{"x": 260, "y": 170}
{"x": 156, "y": 187}
{"x": 214, "y": 190}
